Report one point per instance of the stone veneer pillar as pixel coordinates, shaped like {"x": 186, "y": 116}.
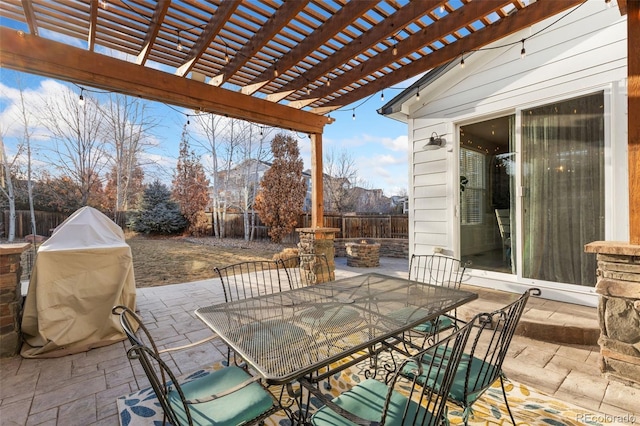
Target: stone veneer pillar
{"x": 10, "y": 298}
{"x": 619, "y": 308}
{"x": 319, "y": 241}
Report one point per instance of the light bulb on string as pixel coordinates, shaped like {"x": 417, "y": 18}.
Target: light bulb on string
{"x": 179, "y": 43}
{"x": 353, "y": 116}
{"x": 418, "y": 95}
{"x": 81, "y": 98}
{"x": 523, "y": 52}
{"x": 382, "y": 96}
{"x": 462, "y": 61}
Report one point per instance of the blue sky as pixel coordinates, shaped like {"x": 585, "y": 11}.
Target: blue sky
{"x": 378, "y": 145}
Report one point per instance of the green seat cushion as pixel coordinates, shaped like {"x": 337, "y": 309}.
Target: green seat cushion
{"x": 237, "y": 408}
{"x": 366, "y": 400}
{"x": 336, "y": 317}
{"x": 443, "y": 322}
{"x": 481, "y": 375}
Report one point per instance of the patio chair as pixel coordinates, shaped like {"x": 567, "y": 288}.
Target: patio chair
{"x": 503, "y": 216}
{"x": 400, "y": 402}
{"x": 438, "y": 270}
{"x": 249, "y": 279}
{"x": 230, "y": 396}
{"x": 481, "y": 363}
{"x": 306, "y": 269}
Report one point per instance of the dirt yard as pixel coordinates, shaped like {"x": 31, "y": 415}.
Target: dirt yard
{"x": 172, "y": 260}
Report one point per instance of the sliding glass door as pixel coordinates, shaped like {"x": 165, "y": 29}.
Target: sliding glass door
{"x": 563, "y": 183}
{"x": 561, "y": 207}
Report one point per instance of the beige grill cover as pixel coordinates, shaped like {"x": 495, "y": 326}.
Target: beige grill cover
{"x": 80, "y": 273}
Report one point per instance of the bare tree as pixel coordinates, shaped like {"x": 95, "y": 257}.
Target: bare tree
{"x": 213, "y": 129}
{"x": 340, "y": 177}
{"x": 26, "y": 119}
{"x": 79, "y": 149}
{"x": 127, "y": 126}
{"x": 7, "y": 188}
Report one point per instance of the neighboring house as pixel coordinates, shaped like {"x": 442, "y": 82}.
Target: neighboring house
{"x": 243, "y": 178}
{"x": 535, "y": 163}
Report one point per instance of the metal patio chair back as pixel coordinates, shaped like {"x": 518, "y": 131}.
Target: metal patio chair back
{"x": 484, "y": 355}
{"x": 401, "y": 401}
{"x": 436, "y": 269}
{"x": 306, "y": 269}
{"x": 250, "y": 279}
{"x": 229, "y": 396}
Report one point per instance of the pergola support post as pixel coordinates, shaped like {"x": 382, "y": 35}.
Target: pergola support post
{"x": 633, "y": 57}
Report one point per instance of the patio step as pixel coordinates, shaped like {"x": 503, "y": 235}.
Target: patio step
{"x": 543, "y": 320}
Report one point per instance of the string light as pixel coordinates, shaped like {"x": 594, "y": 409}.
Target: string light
{"x": 418, "y": 94}
{"x": 353, "y": 116}
{"x": 81, "y": 98}
{"x": 308, "y": 91}
{"x": 462, "y": 61}
{"x": 523, "y": 52}
{"x": 179, "y": 44}
{"x": 382, "y": 95}
{"x": 395, "y": 50}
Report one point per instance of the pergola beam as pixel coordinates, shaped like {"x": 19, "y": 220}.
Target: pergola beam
{"x": 35, "y": 55}
{"x": 335, "y": 24}
{"x": 526, "y": 17}
{"x": 271, "y": 28}
{"x": 152, "y": 33}
{"x": 212, "y": 29}
{"x": 386, "y": 28}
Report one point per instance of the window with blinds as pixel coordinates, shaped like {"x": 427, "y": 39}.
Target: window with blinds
{"x": 472, "y": 194}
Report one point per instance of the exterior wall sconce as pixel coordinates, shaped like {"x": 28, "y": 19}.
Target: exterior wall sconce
{"x": 435, "y": 142}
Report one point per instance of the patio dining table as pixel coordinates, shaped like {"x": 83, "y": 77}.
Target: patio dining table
{"x": 291, "y": 334}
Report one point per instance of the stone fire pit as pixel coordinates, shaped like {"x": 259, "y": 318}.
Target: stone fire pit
{"x": 363, "y": 254}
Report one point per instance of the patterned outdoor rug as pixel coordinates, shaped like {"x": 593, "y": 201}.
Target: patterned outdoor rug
{"x": 529, "y": 406}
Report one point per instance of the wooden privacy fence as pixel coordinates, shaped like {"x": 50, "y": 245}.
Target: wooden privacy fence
{"x": 350, "y": 225}
{"x": 45, "y": 223}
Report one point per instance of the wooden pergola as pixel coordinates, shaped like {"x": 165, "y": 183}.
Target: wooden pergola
{"x": 275, "y": 62}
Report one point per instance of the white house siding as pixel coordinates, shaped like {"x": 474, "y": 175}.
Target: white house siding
{"x": 585, "y": 52}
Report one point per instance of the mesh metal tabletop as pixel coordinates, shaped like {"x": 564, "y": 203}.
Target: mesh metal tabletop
{"x": 286, "y": 335}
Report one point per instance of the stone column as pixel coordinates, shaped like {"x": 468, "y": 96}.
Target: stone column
{"x": 10, "y": 298}
{"x": 319, "y": 241}
{"x": 619, "y": 308}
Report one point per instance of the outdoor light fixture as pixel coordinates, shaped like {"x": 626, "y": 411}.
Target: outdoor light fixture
{"x": 81, "y": 98}
{"x": 353, "y": 116}
{"x": 382, "y": 95}
{"x": 523, "y": 52}
{"x": 435, "y": 142}
{"x": 179, "y": 43}
{"x": 462, "y": 61}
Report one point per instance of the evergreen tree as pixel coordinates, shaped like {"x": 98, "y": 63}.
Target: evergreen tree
{"x": 191, "y": 188}
{"x": 282, "y": 188}
{"x": 158, "y": 213}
